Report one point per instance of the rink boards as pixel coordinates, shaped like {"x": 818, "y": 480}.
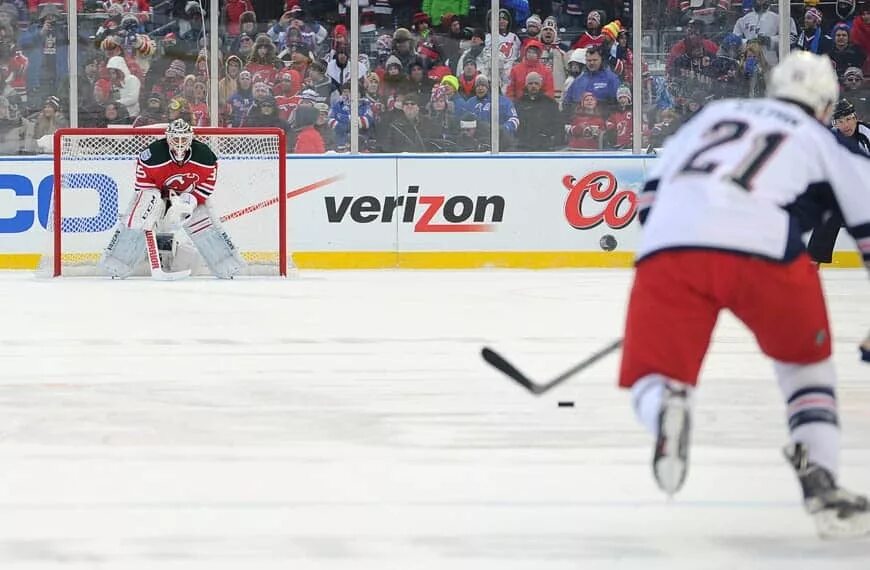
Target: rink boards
{"x": 414, "y": 211}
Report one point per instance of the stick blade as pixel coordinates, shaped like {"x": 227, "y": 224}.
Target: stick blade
{"x": 498, "y": 362}
{"x": 160, "y": 275}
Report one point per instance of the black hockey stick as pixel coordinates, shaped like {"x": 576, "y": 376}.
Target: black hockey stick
{"x": 498, "y": 361}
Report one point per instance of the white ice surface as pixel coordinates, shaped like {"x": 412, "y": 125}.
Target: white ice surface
{"x": 344, "y": 420}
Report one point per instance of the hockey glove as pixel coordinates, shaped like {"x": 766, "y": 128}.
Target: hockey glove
{"x": 180, "y": 209}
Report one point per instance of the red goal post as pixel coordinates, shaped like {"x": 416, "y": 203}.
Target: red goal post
{"x": 94, "y": 172}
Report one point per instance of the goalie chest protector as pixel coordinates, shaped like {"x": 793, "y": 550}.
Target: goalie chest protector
{"x": 156, "y": 169}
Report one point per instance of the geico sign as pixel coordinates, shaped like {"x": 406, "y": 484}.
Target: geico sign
{"x": 439, "y": 213}
{"x": 600, "y": 186}
{"x": 23, "y": 219}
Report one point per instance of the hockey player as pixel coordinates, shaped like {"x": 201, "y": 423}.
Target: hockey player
{"x": 721, "y": 232}
{"x": 175, "y": 177}
{"x": 854, "y": 134}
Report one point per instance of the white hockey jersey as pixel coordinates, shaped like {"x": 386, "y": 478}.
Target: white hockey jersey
{"x": 751, "y": 176}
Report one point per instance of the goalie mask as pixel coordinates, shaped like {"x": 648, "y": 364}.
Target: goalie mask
{"x": 179, "y": 137}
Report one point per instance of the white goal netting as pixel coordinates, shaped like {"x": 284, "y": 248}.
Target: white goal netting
{"x": 94, "y": 175}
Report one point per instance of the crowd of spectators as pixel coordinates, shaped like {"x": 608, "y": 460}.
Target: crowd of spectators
{"x": 564, "y": 68}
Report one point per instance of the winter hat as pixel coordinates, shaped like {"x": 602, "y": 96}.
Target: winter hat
{"x": 503, "y": 14}
{"x": 245, "y": 74}
{"x": 421, "y": 17}
{"x": 813, "y": 14}
{"x": 623, "y": 91}
{"x": 587, "y": 95}
{"x": 550, "y": 22}
{"x": 481, "y": 79}
{"x": 145, "y": 45}
{"x": 393, "y": 60}
{"x": 468, "y": 121}
{"x": 451, "y": 80}
{"x": 578, "y": 56}
{"x": 234, "y": 59}
{"x": 594, "y": 18}
{"x": 412, "y": 99}
{"x": 534, "y": 77}
{"x": 401, "y": 35}
{"x": 534, "y": 44}
{"x": 178, "y": 68}
{"x": 53, "y": 102}
{"x": 429, "y": 51}
{"x": 384, "y": 43}
{"x": 612, "y": 30}
{"x": 840, "y": 26}
{"x": 535, "y": 20}
{"x": 438, "y": 93}
{"x": 48, "y": 9}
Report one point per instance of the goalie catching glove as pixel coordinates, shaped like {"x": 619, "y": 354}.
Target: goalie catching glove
{"x": 181, "y": 207}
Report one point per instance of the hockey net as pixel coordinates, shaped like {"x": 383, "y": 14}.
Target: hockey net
{"x": 94, "y": 172}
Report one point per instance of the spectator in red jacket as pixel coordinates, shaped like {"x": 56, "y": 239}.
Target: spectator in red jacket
{"x": 592, "y": 36}
{"x": 860, "y": 34}
{"x": 531, "y": 61}
{"x": 234, "y": 10}
{"x": 693, "y": 36}
{"x": 586, "y": 130}
{"x": 308, "y": 139}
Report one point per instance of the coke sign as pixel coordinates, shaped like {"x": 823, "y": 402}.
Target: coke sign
{"x": 620, "y": 206}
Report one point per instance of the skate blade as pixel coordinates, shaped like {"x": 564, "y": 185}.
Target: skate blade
{"x": 670, "y": 468}
{"x": 831, "y": 527}
{"x": 670, "y": 474}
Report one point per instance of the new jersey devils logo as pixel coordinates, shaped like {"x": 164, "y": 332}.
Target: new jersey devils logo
{"x": 181, "y": 182}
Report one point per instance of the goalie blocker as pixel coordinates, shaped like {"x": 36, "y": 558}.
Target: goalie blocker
{"x": 175, "y": 176}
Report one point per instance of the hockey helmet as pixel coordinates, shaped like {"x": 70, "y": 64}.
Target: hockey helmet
{"x": 807, "y": 79}
{"x": 844, "y": 109}
{"x": 179, "y": 137}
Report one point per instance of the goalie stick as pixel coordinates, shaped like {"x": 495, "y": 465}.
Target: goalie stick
{"x": 500, "y": 363}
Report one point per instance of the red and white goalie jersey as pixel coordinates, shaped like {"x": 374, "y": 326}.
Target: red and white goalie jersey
{"x": 751, "y": 176}
{"x": 197, "y": 175}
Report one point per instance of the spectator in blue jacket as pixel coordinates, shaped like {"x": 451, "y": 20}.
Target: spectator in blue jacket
{"x": 597, "y": 80}
{"x": 46, "y": 43}
{"x": 339, "y": 119}
{"x": 480, "y": 105}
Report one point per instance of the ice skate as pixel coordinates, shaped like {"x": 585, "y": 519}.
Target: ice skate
{"x": 671, "y": 458}
{"x": 837, "y": 513}
{"x": 865, "y": 350}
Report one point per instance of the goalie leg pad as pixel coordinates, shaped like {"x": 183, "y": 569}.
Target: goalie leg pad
{"x": 146, "y": 209}
{"x": 125, "y": 251}
{"x": 213, "y": 243}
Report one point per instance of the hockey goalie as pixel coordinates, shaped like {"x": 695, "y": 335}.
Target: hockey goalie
{"x": 169, "y": 225}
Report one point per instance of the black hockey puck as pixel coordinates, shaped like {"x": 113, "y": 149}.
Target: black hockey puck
{"x": 607, "y": 242}
{"x": 566, "y": 404}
